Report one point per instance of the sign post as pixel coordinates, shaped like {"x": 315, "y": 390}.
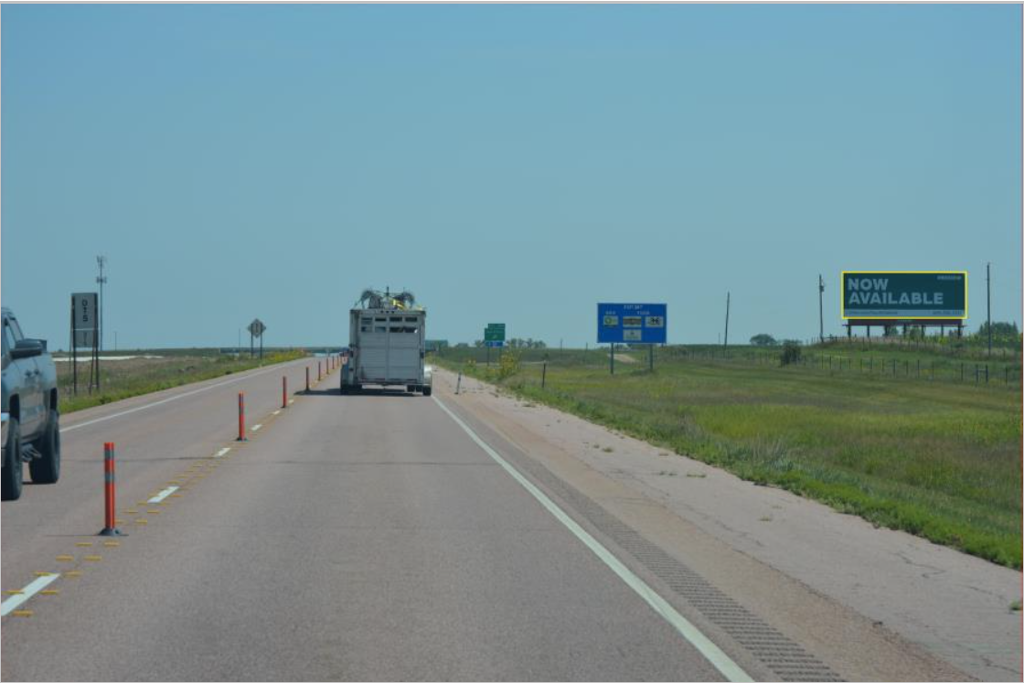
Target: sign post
{"x": 631, "y": 324}
{"x": 85, "y": 335}
{"x": 494, "y": 335}
{"x": 256, "y": 329}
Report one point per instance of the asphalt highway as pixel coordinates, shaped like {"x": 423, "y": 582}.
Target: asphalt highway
{"x": 351, "y": 537}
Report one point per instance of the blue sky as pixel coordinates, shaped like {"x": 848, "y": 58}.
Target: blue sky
{"x": 506, "y": 163}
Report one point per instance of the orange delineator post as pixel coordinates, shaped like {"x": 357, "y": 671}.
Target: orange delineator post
{"x": 109, "y": 481}
{"x": 241, "y": 416}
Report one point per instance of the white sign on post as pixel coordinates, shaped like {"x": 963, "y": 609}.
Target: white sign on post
{"x": 84, "y": 318}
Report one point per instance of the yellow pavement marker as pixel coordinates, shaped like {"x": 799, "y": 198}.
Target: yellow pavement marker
{"x": 17, "y": 592}
{"x": 22, "y": 613}
{"x": 93, "y": 558}
{"x": 112, "y": 544}
{"x": 84, "y": 544}
{"x": 73, "y": 574}
{"x": 50, "y": 591}
{"x": 65, "y": 558}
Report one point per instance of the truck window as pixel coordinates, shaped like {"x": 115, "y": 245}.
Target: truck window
{"x": 15, "y": 329}
{"x": 411, "y": 319}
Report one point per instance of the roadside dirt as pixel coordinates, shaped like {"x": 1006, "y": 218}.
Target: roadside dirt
{"x": 872, "y": 603}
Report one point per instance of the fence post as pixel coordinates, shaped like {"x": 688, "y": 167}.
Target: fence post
{"x": 544, "y": 375}
{"x": 986, "y": 373}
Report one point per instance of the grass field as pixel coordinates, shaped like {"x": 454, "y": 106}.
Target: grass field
{"x": 120, "y": 379}
{"x": 941, "y": 459}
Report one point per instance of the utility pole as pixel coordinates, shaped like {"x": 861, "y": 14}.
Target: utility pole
{"x": 821, "y": 310}
{"x": 726, "y": 345}
{"x": 988, "y": 297}
{"x": 101, "y": 261}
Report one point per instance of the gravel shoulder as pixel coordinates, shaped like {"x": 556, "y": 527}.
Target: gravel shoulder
{"x": 872, "y": 603}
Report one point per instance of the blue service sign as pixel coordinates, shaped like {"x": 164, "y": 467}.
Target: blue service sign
{"x": 494, "y": 344}
{"x": 632, "y": 323}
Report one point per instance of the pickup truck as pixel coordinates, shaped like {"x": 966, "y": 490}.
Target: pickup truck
{"x": 31, "y": 422}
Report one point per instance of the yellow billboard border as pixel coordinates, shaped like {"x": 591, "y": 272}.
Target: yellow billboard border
{"x": 842, "y": 298}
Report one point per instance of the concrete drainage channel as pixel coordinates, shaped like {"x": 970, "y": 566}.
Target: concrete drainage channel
{"x": 785, "y": 658}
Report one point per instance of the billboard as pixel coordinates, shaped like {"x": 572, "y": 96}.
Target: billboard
{"x": 631, "y": 323}
{"x": 904, "y": 294}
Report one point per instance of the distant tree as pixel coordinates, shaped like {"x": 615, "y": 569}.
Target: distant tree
{"x": 1000, "y": 330}
{"x": 763, "y": 340}
{"x": 462, "y": 345}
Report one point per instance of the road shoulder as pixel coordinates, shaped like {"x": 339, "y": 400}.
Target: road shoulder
{"x": 872, "y": 603}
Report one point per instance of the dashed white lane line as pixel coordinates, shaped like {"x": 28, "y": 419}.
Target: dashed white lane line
{"x": 168, "y": 400}
{"x": 222, "y": 452}
{"x": 276, "y": 412}
{"x": 256, "y": 428}
{"x": 721, "y": 661}
{"x": 158, "y": 498}
{"x": 15, "y": 601}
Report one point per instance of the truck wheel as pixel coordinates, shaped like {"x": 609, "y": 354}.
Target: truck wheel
{"x": 46, "y": 470}
{"x": 10, "y": 482}
{"x": 427, "y": 390}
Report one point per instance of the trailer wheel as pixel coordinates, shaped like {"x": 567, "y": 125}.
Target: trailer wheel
{"x": 427, "y": 391}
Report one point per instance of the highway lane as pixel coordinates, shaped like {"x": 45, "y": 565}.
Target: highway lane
{"x": 362, "y": 537}
{"x": 153, "y": 434}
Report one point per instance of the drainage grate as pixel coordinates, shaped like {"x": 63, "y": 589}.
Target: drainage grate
{"x": 785, "y": 658}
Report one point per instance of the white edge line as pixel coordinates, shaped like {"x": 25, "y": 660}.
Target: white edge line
{"x": 168, "y": 400}
{"x": 163, "y": 494}
{"x": 256, "y": 428}
{"x": 15, "y": 601}
{"x": 222, "y": 452}
{"x": 276, "y": 412}
{"x": 721, "y": 661}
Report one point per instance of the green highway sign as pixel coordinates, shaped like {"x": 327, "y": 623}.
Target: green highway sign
{"x": 494, "y": 332}
{"x": 904, "y": 294}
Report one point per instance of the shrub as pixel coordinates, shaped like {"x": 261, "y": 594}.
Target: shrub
{"x": 790, "y": 353}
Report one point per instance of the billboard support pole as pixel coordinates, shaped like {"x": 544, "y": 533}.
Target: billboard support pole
{"x": 611, "y": 359}
{"x": 650, "y": 356}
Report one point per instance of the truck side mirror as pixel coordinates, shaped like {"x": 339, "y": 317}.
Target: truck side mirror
{"x": 27, "y": 348}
